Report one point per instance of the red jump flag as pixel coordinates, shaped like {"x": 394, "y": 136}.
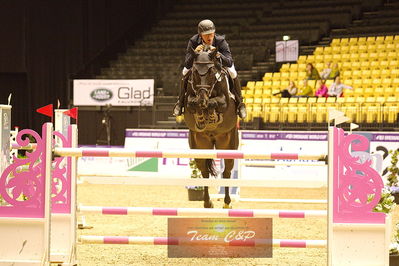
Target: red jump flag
{"x": 46, "y": 110}
{"x": 72, "y": 113}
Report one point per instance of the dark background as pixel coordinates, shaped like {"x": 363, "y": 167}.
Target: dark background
{"x": 44, "y": 43}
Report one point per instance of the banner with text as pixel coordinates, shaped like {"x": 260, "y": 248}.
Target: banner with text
{"x": 115, "y": 92}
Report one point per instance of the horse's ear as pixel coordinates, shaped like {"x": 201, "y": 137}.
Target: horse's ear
{"x": 212, "y": 54}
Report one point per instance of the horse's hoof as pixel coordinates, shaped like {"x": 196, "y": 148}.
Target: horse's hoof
{"x": 227, "y": 206}
{"x": 208, "y": 204}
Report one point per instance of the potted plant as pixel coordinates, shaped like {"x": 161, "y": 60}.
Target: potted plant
{"x": 195, "y": 193}
{"x": 387, "y": 203}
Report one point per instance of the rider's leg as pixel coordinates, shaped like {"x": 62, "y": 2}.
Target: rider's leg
{"x": 178, "y": 108}
{"x": 236, "y": 90}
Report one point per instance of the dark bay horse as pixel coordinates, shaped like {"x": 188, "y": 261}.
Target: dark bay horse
{"x": 210, "y": 115}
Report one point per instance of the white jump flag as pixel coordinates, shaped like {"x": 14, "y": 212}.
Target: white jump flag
{"x": 9, "y": 98}
{"x": 333, "y": 114}
{"x": 353, "y": 126}
{"x": 341, "y": 119}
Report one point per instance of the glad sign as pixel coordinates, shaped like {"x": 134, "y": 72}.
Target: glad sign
{"x": 116, "y": 92}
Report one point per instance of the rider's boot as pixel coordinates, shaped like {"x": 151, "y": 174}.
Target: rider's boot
{"x": 241, "y": 109}
{"x": 178, "y": 108}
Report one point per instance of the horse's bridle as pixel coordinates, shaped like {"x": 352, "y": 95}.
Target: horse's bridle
{"x": 205, "y": 86}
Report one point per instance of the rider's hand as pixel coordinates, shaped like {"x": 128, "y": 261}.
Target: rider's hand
{"x": 218, "y": 55}
{"x": 199, "y": 48}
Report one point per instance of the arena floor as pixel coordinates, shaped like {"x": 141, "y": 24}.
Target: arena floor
{"x": 120, "y": 195}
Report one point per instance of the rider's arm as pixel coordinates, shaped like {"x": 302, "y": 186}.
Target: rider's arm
{"x": 225, "y": 54}
{"x": 188, "y": 63}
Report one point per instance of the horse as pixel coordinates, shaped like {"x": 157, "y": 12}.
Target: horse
{"x": 210, "y": 114}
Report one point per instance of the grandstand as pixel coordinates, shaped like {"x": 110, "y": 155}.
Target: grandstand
{"x": 361, "y": 36}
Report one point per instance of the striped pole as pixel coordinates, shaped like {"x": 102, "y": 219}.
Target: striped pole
{"x": 259, "y": 213}
{"x": 309, "y": 201}
{"x": 201, "y": 154}
{"x": 30, "y": 146}
{"x": 144, "y": 240}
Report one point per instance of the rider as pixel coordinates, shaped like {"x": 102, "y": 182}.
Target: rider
{"x": 204, "y": 40}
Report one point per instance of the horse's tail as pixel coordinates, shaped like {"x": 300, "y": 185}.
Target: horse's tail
{"x": 210, "y": 166}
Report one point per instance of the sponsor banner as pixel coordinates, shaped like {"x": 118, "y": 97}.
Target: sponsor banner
{"x": 220, "y": 237}
{"x": 5, "y": 130}
{"x": 98, "y": 92}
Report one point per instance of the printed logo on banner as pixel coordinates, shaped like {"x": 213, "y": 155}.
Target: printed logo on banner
{"x": 220, "y": 237}
{"x": 101, "y": 94}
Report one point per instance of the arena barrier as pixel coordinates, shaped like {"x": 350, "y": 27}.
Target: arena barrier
{"x": 351, "y": 222}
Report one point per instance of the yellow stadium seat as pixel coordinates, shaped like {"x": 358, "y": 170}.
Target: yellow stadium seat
{"x": 293, "y": 67}
{"x": 321, "y": 100}
{"x": 344, "y": 49}
{"x": 357, "y": 74}
{"x": 258, "y": 92}
{"x": 366, "y": 73}
{"x": 293, "y": 100}
{"x": 258, "y": 84}
{"x": 358, "y": 92}
{"x": 319, "y": 66}
{"x": 249, "y": 100}
{"x": 386, "y": 82}
{"x": 382, "y": 56}
{"x": 363, "y": 49}
{"x": 363, "y": 56}
{"x": 284, "y": 84}
{"x": 355, "y": 65}
{"x": 285, "y": 67}
{"x": 344, "y": 41}
{"x": 368, "y": 92}
{"x": 375, "y": 82}
{"x": 390, "y": 47}
{"x": 336, "y": 58}
{"x": 301, "y": 67}
{"x": 388, "y": 39}
{"x": 310, "y": 59}
{"x": 301, "y": 59}
{"x": 318, "y": 50}
{"x": 364, "y": 65}
{"x": 267, "y": 92}
{"x": 384, "y": 64}
{"x": 327, "y": 51}
{"x": 379, "y": 39}
{"x": 293, "y": 75}
{"x": 367, "y": 82}
{"x": 285, "y": 76}
{"x": 361, "y": 40}
{"x": 393, "y": 64}
{"x": 395, "y": 82}
{"x": 353, "y": 49}
{"x": 319, "y": 58}
{"x": 394, "y": 73}
{"x": 266, "y": 100}
{"x": 389, "y": 91}
{"x": 347, "y": 65}
{"x": 267, "y": 84}
{"x": 357, "y": 83}
{"x": 352, "y": 41}
{"x": 335, "y": 42}
{"x": 371, "y": 48}
{"x": 251, "y": 84}
{"x": 348, "y": 82}
{"x": 276, "y": 84}
{"x": 302, "y": 100}
{"x": 374, "y": 64}
{"x": 258, "y": 100}
{"x": 268, "y": 75}
{"x": 329, "y": 82}
{"x": 381, "y": 47}
{"x": 370, "y": 39}
{"x": 276, "y": 75}
{"x": 336, "y": 49}
{"x": 379, "y": 91}
{"x": 375, "y": 73}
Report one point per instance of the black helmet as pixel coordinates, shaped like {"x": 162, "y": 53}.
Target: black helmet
{"x": 206, "y": 27}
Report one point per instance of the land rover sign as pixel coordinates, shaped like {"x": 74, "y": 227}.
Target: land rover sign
{"x": 120, "y": 92}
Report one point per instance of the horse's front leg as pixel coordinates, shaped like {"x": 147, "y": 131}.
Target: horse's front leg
{"x": 202, "y": 166}
{"x": 228, "y": 166}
